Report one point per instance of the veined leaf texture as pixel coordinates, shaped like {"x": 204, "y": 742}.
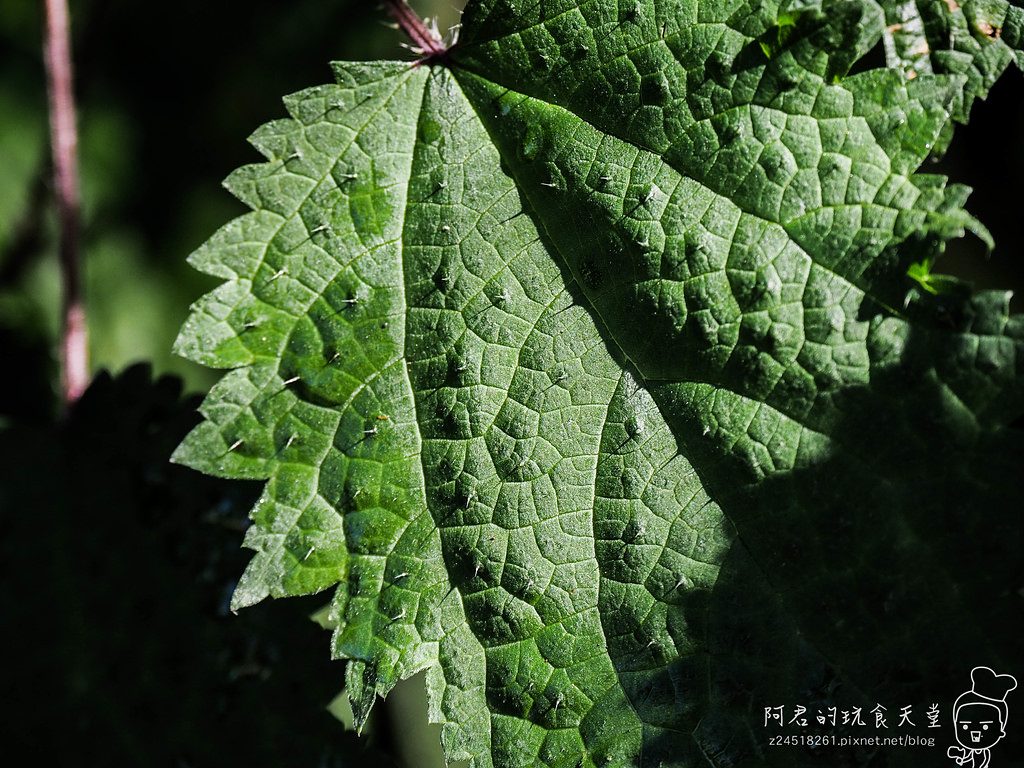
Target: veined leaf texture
{"x": 583, "y": 364}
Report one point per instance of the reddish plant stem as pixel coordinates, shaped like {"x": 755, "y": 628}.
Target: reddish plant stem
{"x": 427, "y": 41}
{"x": 64, "y": 144}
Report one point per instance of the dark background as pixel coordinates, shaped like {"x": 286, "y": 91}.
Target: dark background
{"x": 117, "y": 566}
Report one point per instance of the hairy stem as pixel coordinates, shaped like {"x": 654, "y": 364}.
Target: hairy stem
{"x": 424, "y": 39}
{"x": 64, "y": 142}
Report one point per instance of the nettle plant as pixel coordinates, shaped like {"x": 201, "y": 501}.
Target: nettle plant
{"x": 596, "y": 362}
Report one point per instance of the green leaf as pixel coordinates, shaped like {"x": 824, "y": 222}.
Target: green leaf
{"x": 974, "y": 38}
{"x": 587, "y": 365}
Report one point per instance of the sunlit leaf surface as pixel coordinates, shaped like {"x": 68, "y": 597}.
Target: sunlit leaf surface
{"x": 600, "y": 370}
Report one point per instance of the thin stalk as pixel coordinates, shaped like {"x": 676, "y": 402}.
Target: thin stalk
{"x": 64, "y": 144}
{"x": 426, "y": 40}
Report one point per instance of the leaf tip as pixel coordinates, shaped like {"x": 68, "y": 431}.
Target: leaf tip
{"x": 361, "y": 693}
{"x": 250, "y": 590}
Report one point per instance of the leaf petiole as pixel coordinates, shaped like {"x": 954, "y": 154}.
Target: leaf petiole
{"x": 426, "y": 40}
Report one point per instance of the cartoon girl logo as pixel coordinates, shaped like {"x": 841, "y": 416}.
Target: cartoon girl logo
{"x": 979, "y": 716}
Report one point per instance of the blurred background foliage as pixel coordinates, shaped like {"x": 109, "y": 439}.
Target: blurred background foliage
{"x": 116, "y": 565}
